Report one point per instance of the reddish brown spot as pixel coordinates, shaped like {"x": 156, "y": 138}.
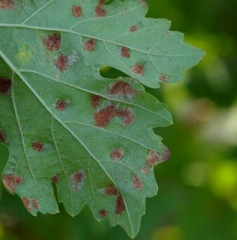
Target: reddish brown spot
{"x": 138, "y": 69}
{"x": 143, "y": 3}
{"x": 5, "y": 85}
{"x": 117, "y": 154}
{"x": 35, "y": 204}
{"x": 102, "y": 213}
{"x": 10, "y": 181}
{"x": 145, "y": 170}
{"x": 61, "y": 105}
{"x": 122, "y": 88}
{"x": 2, "y": 137}
{"x": 164, "y": 78}
{"x": 62, "y": 62}
{"x": 37, "y": 146}
{"x": 52, "y": 42}
{"x": 77, "y": 177}
{"x": 27, "y": 203}
{"x": 75, "y": 189}
{"x": 153, "y": 158}
{"x": 18, "y": 180}
{"x": 55, "y": 178}
{"x": 166, "y": 155}
{"x": 77, "y": 11}
{"x": 137, "y": 183}
{"x": 89, "y": 45}
{"x": 111, "y": 190}
{"x": 7, "y": 4}
{"x": 133, "y": 28}
{"x": 104, "y": 116}
{"x": 127, "y": 115}
{"x": 95, "y": 101}
{"x": 125, "y": 52}
{"x": 120, "y": 205}
{"x": 100, "y": 11}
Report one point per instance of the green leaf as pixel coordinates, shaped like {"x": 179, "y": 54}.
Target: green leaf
{"x": 64, "y": 123}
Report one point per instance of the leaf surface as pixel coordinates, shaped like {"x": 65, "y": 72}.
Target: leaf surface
{"x": 65, "y": 124}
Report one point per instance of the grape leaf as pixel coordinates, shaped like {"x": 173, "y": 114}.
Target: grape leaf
{"x": 65, "y": 124}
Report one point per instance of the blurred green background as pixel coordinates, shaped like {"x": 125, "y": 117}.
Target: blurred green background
{"x": 197, "y": 196}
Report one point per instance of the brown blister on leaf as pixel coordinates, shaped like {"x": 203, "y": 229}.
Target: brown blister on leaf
{"x": 127, "y": 115}
{"x": 2, "y": 137}
{"x": 117, "y": 154}
{"x": 38, "y": 146}
{"x": 77, "y": 11}
{"x": 10, "y": 181}
{"x": 138, "y": 69}
{"x": 166, "y": 155}
{"x": 61, "y": 62}
{"x": 34, "y": 203}
{"x": 137, "y": 183}
{"x": 55, "y": 178}
{"x": 133, "y": 28}
{"x": 5, "y": 85}
{"x": 77, "y": 179}
{"x": 153, "y": 158}
{"x": 27, "y": 203}
{"x": 145, "y": 170}
{"x": 111, "y": 190}
{"x": 105, "y": 115}
{"x": 100, "y": 11}
{"x": 102, "y": 213}
{"x": 7, "y": 4}
{"x": 61, "y": 105}
{"x": 95, "y": 101}
{"x": 123, "y": 89}
{"x": 164, "y": 78}
{"x": 89, "y": 45}
{"x": 125, "y": 52}
{"x": 143, "y": 3}
{"x": 120, "y": 205}
{"x": 52, "y": 42}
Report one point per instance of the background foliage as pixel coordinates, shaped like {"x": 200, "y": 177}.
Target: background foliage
{"x": 197, "y": 196}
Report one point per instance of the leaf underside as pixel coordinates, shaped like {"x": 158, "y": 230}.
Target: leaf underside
{"x": 66, "y": 125}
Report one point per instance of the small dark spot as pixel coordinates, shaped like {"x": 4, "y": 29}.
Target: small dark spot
{"x": 111, "y": 190}
{"x": 100, "y": 11}
{"x": 27, "y": 203}
{"x": 117, "y": 154}
{"x": 62, "y": 62}
{"x": 77, "y": 11}
{"x": 120, "y": 205}
{"x": 5, "y": 85}
{"x": 137, "y": 183}
{"x": 7, "y": 4}
{"x": 95, "y": 101}
{"x": 55, "y": 178}
{"x": 102, "y": 213}
{"x": 77, "y": 177}
{"x": 37, "y": 146}
{"x": 35, "y": 204}
{"x": 133, "y": 28}
{"x": 125, "y": 52}
{"x": 138, "y": 69}
{"x": 75, "y": 189}
{"x": 104, "y": 116}
{"x": 145, "y": 170}
{"x": 3, "y": 137}
{"x": 61, "y": 105}
{"x": 127, "y": 115}
{"x": 121, "y": 88}
{"x": 52, "y": 42}
{"x": 89, "y": 45}
{"x": 164, "y": 78}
